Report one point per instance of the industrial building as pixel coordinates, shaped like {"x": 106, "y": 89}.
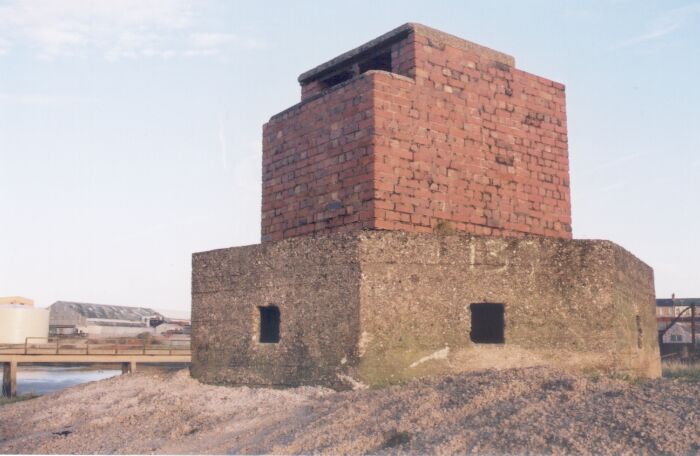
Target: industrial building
{"x": 100, "y": 320}
{"x": 678, "y": 323}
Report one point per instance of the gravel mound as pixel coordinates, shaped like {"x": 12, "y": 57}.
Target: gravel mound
{"x": 532, "y": 410}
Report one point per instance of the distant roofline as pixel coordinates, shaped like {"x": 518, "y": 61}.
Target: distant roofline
{"x": 398, "y": 34}
{"x": 677, "y": 302}
{"x": 103, "y": 305}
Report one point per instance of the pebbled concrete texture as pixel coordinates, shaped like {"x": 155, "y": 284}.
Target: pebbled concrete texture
{"x": 373, "y": 308}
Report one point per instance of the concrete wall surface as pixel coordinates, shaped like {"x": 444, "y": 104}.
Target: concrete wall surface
{"x": 315, "y": 283}
{"x": 380, "y": 307}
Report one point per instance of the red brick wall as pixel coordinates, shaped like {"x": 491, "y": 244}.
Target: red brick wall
{"x": 317, "y": 164}
{"x": 465, "y": 142}
{"x": 471, "y": 144}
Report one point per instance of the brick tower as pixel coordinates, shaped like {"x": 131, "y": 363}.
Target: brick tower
{"x": 419, "y": 131}
{"x": 434, "y": 177}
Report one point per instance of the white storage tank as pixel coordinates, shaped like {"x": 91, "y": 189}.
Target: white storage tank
{"x": 17, "y": 322}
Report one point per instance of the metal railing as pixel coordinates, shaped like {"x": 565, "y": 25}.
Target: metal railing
{"x": 92, "y": 346}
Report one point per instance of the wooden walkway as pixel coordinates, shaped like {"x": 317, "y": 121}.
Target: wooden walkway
{"x": 127, "y": 352}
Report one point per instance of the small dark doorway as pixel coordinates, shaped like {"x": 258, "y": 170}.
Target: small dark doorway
{"x": 488, "y": 323}
{"x": 269, "y": 324}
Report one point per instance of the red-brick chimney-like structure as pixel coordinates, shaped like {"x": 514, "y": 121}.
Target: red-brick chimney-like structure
{"x": 419, "y": 131}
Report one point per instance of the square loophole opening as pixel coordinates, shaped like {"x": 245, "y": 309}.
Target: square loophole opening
{"x": 381, "y": 61}
{"x": 337, "y": 78}
{"x": 269, "y": 324}
{"x": 488, "y": 323}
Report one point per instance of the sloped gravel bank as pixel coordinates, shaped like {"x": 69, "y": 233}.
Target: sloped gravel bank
{"x": 532, "y": 410}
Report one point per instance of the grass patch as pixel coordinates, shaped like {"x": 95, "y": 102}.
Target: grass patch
{"x": 684, "y": 371}
{"x": 11, "y": 400}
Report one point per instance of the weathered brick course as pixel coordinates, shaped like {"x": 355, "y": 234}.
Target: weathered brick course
{"x": 453, "y": 137}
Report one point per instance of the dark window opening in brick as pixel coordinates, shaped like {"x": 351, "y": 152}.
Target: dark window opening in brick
{"x": 269, "y": 324}
{"x": 378, "y": 62}
{"x": 337, "y": 78}
{"x": 488, "y": 323}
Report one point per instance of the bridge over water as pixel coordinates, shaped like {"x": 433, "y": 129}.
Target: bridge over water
{"x": 125, "y": 351}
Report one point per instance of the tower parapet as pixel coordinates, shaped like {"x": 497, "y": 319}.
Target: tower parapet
{"x": 419, "y": 131}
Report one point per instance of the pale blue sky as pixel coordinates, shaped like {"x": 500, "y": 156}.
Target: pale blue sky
{"x": 130, "y": 130}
